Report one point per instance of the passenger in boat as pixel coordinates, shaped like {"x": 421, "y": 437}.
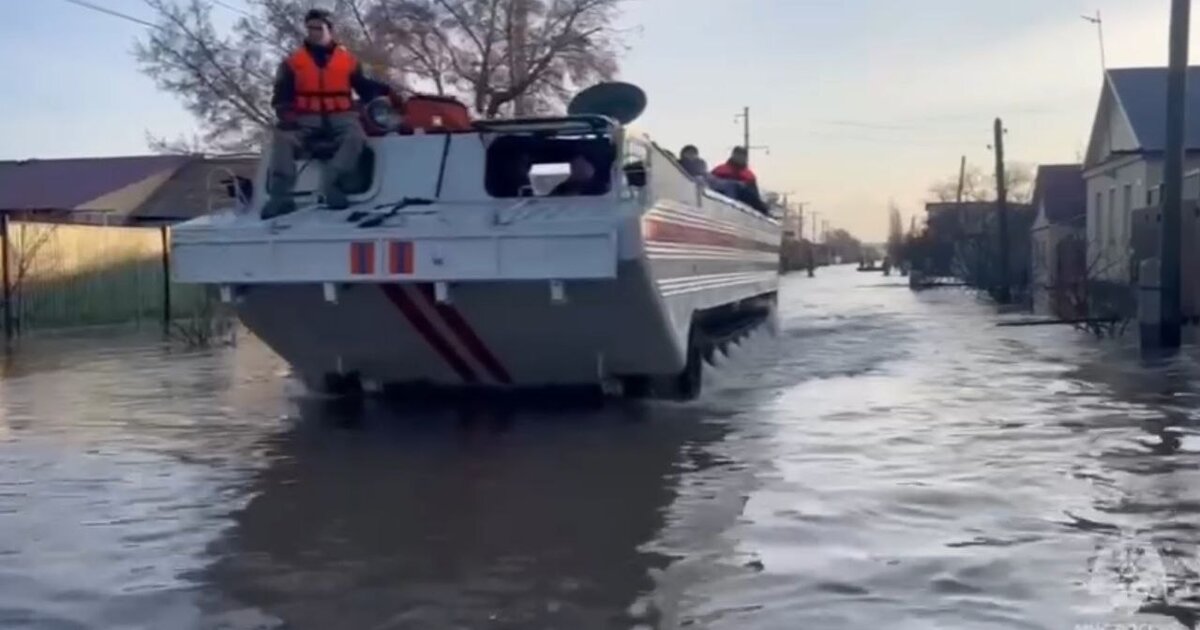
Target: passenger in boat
{"x": 582, "y": 180}
{"x": 316, "y": 114}
{"x": 692, "y": 163}
{"x": 737, "y": 169}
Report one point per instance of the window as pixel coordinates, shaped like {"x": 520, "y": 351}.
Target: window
{"x": 1126, "y": 213}
{"x": 1112, "y": 215}
{"x": 538, "y": 166}
{"x": 1098, "y": 236}
{"x": 635, "y": 163}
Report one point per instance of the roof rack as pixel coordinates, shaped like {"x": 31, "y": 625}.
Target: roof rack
{"x": 589, "y": 123}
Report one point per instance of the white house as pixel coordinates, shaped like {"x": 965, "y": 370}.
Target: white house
{"x": 1057, "y": 238}
{"x": 1124, "y": 163}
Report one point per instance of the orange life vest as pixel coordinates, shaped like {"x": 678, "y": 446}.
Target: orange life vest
{"x": 323, "y": 90}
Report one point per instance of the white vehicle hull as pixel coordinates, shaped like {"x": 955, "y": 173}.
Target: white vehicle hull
{"x": 507, "y": 294}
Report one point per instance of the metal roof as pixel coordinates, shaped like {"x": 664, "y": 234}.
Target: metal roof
{"x": 1061, "y": 190}
{"x": 70, "y": 183}
{"x": 1142, "y": 93}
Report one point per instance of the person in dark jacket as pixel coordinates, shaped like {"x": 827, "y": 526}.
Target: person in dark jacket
{"x": 692, "y": 163}
{"x": 313, "y": 101}
{"x": 582, "y": 180}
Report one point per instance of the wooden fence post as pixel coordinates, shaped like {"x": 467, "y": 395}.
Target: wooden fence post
{"x": 5, "y": 256}
{"x": 166, "y": 277}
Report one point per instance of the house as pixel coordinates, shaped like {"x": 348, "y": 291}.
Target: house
{"x": 1058, "y": 241}
{"x": 137, "y": 190}
{"x": 957, "y": 221}
{"x": 1123, "y": 168}
{"x": 86, "y": 238}
{"x": 1146, "y": 240}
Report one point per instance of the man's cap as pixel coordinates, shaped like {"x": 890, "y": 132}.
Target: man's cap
{"x": 320, "y": 15}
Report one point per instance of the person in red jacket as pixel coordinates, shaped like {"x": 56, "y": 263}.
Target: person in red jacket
{"x": 313, "y": 98}
{"x": 737, "y": 169}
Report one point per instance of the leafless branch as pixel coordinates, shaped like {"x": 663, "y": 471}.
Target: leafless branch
{"x": 472, "y": 49}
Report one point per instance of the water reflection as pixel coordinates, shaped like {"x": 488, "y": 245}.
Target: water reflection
{"x": 456, "y": 518}
{"x": 889, "y": 459}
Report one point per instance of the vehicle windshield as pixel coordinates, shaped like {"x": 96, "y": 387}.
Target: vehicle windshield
{"x": 525, "y": 165}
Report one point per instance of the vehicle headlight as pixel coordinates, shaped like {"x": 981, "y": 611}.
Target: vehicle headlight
{"x": 381, "y": 114}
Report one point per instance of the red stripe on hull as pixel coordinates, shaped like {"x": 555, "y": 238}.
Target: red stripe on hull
{"x": 362, "y": 258}
{"x": 459, "y": 326}
{"x": 669, "y": 232}
{"x": 424, "y": 328}
{"x": 400, "y": 258}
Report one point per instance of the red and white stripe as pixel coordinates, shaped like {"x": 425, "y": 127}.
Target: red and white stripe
{"x": 752, "y": 229}
{"x": 448, "y": 334}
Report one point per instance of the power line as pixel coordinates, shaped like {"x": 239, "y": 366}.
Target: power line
{"x": 226, "y": 5}
{"x": 136, "y": 20}
{"x": 117, "y": 14}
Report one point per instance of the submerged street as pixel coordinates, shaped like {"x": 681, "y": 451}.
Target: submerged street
{"x": 887, "y": 459}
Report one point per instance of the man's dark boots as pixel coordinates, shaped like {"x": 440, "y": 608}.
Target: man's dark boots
{"x": 335, "y": 199}
{"x": 277, "y": 207}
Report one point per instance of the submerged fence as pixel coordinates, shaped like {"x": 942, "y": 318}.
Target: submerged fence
{"x": 63, "y": 275}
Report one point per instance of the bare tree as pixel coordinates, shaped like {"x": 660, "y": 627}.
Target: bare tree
{"x": 1019, "y": 179}
{"x": 499, "y": 55}
{"x": 28, "y": 250}
{"x": 895, "y": 242}
{"x": 980, "y": 186}
{"x": 1101, "y": 317}
{"x": 843, "y": 244}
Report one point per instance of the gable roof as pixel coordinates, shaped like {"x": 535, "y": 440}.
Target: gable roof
{"x": 1142, "y": 94}
{"x": 1060, "y": 191}
{"x": 71, "y": 183}
{"x": 194, "y": 189}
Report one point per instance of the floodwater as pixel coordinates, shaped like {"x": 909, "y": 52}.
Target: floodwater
{"x": 885, "y": 460}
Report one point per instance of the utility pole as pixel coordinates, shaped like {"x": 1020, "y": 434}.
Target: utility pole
{"x": 962, "y": 179}
{"x": 812, "y": 247}
{"x": 745, "y": 118}
{"x": 746, "y": 127}
{"x": 5, "y": 256}
{"x": 1170, "y": 334}
{"x": 1099, "y": 22}
{"x": 1003, "y": 294}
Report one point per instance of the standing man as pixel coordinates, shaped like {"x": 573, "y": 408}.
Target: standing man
{"x": 313, "y": 100}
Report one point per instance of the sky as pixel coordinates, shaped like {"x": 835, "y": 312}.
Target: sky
{"x": 860, "y": 102}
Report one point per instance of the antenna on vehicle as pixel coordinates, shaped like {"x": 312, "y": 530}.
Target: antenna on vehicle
{"x": 623, "y": 102}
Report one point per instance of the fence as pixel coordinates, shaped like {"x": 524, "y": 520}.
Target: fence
{"x": 67, "y": 275}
